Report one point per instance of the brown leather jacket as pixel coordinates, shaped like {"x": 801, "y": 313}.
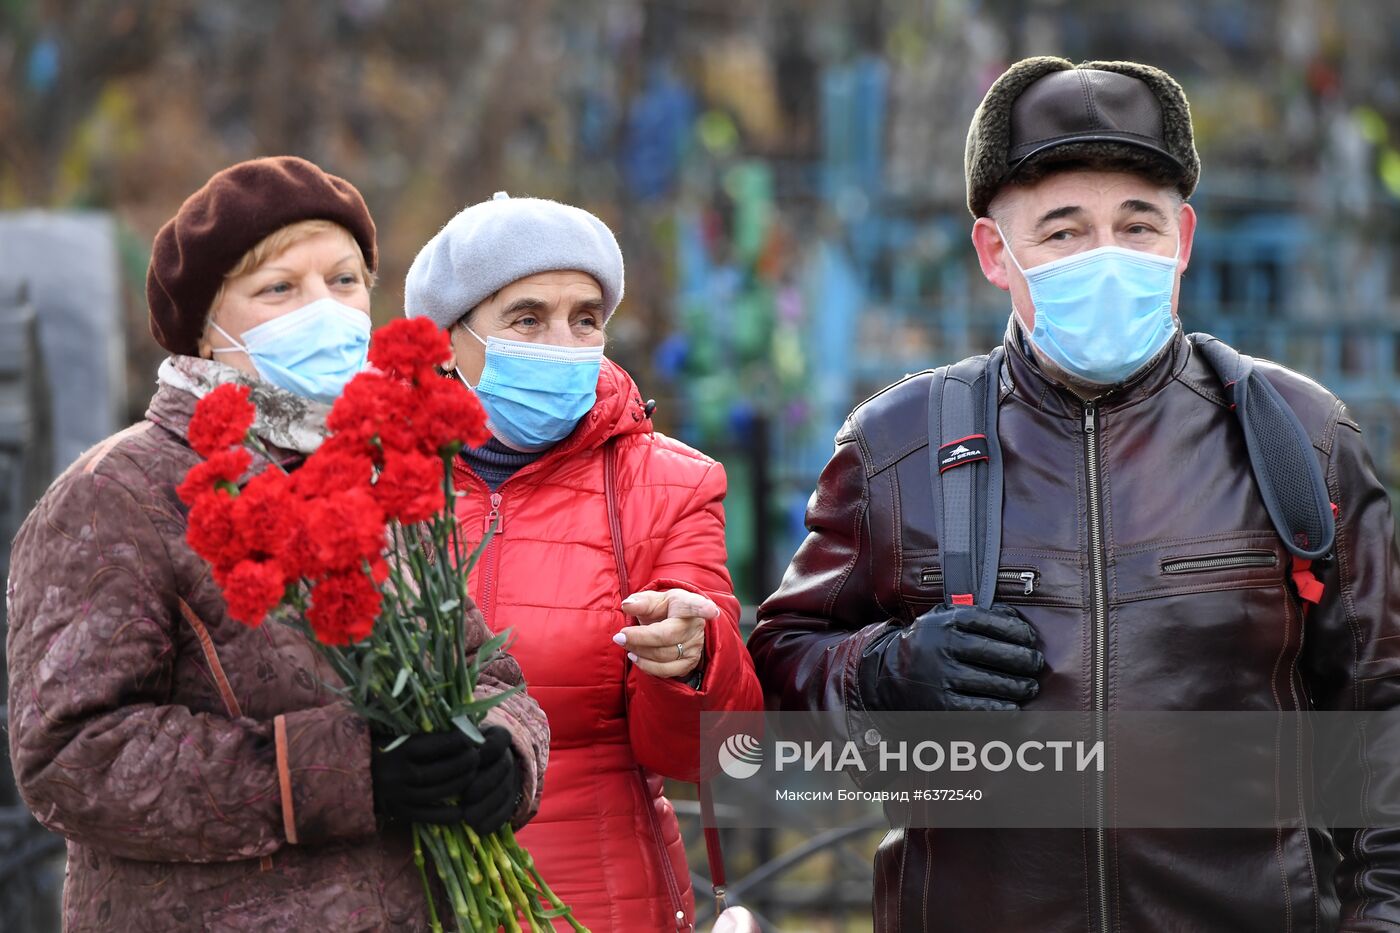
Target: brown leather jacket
{"x": 1174, "y": 480}
{"x": 144, "y": 721}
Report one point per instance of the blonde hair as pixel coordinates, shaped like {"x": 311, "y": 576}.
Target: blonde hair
{"x": 284, "y": 238}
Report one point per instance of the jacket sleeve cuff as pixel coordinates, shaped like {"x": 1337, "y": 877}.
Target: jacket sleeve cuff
{"x": 323, "y": 775}
{"x": 861, "y": 725}
{"x": 665, "y": 713}
{"x": 679, "y": 689}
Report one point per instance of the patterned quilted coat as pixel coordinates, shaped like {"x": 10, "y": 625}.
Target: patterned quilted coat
{"x": 203, "y": 774}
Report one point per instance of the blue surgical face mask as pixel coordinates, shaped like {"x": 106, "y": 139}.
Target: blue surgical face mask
{"x": 534, "y": 394}
{"x": 312, "y": 351}
{"x": 1103, "y": 314}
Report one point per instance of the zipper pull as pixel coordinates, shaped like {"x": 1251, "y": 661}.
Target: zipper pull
{"x": 1089, "y": 413}
{"x": 1028, "y": 578}
{"x": 493, "y": 518}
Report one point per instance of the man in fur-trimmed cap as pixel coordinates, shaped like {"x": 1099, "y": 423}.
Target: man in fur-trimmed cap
{"x": 1102, "y": 515}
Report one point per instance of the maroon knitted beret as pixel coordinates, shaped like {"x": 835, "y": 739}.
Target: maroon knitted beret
{"x": 230, "y": 215}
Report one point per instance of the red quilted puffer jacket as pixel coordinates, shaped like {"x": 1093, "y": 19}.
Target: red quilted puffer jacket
{"x": 605, "y": 837}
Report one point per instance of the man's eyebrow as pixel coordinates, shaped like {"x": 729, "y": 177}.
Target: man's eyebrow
{"x": 1059, "y": 213}
{"x": 1136, "y": 206}
{"x": 589, "y": 304}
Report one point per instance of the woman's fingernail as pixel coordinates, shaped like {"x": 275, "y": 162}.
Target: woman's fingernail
{"x": 619, "y": 639}
{"x": 632, "y": 657}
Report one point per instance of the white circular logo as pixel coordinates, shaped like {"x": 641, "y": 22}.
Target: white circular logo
{"x": 741, "y": 756}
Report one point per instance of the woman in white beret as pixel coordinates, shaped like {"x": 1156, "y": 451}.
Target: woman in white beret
{"x": 573, "y": 476}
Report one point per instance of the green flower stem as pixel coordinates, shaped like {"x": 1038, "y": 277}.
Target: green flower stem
{"x": 432, "y": 597}
{"x": 406, "y": 658}
{"x": 251, "y": 440}
{"x": 471, "y": 858}
{"x": 449, "y": 491}
{"x": 530, "y": 905}
{"x": 445, "y": 531}
{"x": 521, "y": 857}
{"x": 423, "y": 873}
{"x": 458, "y": 853}
{"x": 474, "y": 874}
{"x": 494, "y": 875}
{"x": 449, "y": 877}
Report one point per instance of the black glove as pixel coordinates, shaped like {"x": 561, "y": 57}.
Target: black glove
{"x": 445, "y": 777}
{"x": 959, "y": 658}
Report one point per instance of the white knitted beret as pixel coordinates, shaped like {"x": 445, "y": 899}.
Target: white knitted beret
{"x": 489, "y": 245}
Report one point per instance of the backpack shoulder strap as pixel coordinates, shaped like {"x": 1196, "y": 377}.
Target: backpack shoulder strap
{"x": 965, "y": 465}
{"x": 1281, "y": 455}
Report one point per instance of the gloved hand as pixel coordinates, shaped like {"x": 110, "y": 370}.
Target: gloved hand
{"x": 958, "y": 658}
{"x": 445, "y": 777}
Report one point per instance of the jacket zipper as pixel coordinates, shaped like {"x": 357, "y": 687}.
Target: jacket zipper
{"x": 1099, "y": 611}
{"x": 1230, "y": 560}
{"x": 1026, "y": 579}
{"x": 671, "y": 886}
{"x": 488, "y": 577}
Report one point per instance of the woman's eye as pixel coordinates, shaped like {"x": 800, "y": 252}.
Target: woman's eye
{"x": 527, "y": 321}
{"x": 277, "y": 288}
{"x": 586, "y": 323}
{"x": 347, "y": 278}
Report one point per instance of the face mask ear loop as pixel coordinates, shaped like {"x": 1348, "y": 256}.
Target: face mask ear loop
{"x": 465, "y": 327}
{"x": 236, "y": 348}
{"x": 458, "y": 372}
{"x": 1006, "y": 244}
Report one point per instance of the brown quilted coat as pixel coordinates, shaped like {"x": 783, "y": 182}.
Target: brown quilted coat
{"x": 148, "y": 727}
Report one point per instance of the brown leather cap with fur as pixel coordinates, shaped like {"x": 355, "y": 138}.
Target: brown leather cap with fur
{"x": 1047, "y": 111}
{"x": 230, "y": 215}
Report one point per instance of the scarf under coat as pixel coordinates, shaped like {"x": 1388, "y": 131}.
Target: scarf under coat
{"x": 284, "y": 419}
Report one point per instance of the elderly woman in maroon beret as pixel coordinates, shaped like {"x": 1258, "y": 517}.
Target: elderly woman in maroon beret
{"x": 204, "y": 774}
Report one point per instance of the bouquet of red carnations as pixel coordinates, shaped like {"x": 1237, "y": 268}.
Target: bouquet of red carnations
{"x": 358, "y": 549}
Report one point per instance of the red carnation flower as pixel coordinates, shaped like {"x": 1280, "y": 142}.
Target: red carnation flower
{"x": 373, "y": 412}
{"x": 265, "y": 512}
{"x": 298, "y": 555}
{"x": 344, "y": 607}
{"x": 341, "y": 530}
{"x": 410, "y": 487}
{"x": 212, "y": 532}
{"x": 409, "y": 348}
{"x": 221, "y": 420}
{"x": 447, "y": 416}
{"x": 223, "y": 468}
{"x": 252, "y": 589}
{"x": 334, "y": 466}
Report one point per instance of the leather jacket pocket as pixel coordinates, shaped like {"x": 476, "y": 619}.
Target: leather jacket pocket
{"x": 1011, "y": 581}
{"x": 1039, "y": 578}
{"x": 1217, "y": 563}
{"x": 1220, "y": 561}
